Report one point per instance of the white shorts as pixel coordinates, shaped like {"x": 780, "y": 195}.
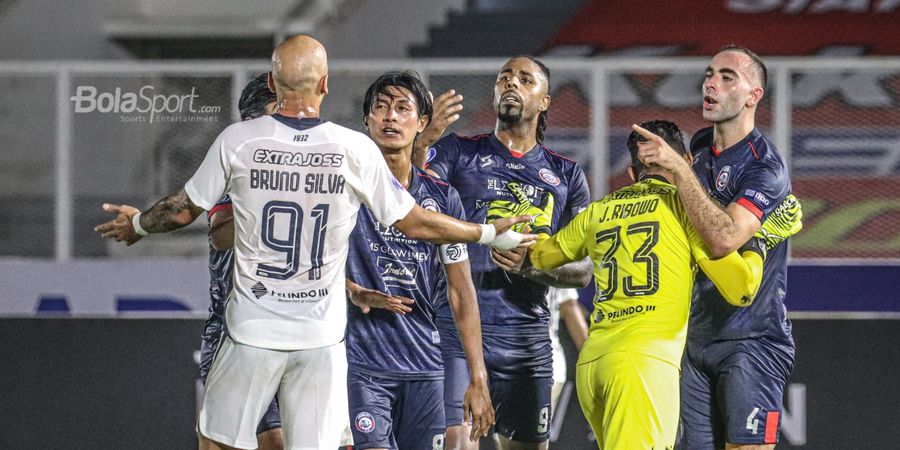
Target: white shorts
{"x": 311, "y": 387}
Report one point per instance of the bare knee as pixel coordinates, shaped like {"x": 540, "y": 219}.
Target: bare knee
{"x": 208, "y": 444}
{"x": 271, "y": 439}
{"x": 507, "y": 444}
{"x": 457, "y": 438}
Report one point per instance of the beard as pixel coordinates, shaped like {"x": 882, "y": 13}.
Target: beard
{"x": 509, "y": 114}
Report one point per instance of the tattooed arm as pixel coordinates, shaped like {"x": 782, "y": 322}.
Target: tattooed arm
{"x": 723, "y": 230}
{"x": 170, "y": 213}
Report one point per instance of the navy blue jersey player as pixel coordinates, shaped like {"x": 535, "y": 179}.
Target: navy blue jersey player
{"x": 505, "y": 173}
{"x": 395, "y": 377}
{"x": 256, "y": 100}
{"x": 738, "y": 360}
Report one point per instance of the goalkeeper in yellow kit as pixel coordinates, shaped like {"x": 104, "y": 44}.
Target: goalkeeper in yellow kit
{"x": 645, "y": 255}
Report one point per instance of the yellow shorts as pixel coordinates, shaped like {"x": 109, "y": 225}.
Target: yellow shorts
{"x": 630, "y": 400}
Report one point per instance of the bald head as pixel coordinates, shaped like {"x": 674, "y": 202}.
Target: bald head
{"x": 299, "y": 66}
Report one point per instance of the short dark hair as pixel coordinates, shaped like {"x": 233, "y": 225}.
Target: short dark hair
{"x": 760, "y": 66}
{"x": 544, "y": 116}
{"x": 255, "y": 96}
{"x": 662, "y": 128}
{"x": 405, "y": 79}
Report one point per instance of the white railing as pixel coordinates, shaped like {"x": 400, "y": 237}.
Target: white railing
{"x": 608, "y": 97}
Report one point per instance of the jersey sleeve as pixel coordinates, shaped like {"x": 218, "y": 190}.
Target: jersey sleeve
{"x": 454, "y": 253}
{"x": 443, "y": 156}
{"x": 579, "y": 196}
{"x": 571, "y": 239}
{"x": 761, "y": 190}
{"x": 380, "y": 191}
{"x": 210, "y": 181}
{"x": 736, "y": 276}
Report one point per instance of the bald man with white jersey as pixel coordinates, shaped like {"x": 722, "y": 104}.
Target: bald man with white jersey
{"x": 296, "y": 183}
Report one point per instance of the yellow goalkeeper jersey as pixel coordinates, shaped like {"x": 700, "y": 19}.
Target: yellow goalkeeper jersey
{"x": 645, "y": 255}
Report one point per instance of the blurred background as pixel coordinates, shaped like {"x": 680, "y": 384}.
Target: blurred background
{"x": 118, "y": 101}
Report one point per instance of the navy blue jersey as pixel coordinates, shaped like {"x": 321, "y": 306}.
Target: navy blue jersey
{"x": 494, "y": 182}
{"x": 753, "y": 175}
{"x": 385, "y": 343}
{"x": 221, "y": 267}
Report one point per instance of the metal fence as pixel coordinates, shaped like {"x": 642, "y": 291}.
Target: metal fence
{"x": 77, "y": 134}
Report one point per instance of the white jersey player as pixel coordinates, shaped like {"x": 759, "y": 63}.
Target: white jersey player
{"x": 296, "y": 183}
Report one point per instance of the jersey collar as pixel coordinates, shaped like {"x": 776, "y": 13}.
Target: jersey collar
{"x": 747, "y": 140}
{"x": 503, "y": 149}
{"x": 297, "y": 123}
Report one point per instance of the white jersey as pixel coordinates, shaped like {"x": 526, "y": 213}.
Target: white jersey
{"x": 296, "y": 186}
{"x": 556, "y": 297}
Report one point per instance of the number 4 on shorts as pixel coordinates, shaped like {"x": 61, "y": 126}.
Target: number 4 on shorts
{"x": 752, "y": 421}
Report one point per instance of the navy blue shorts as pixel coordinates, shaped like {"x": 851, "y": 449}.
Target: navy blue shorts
{"x": 520, "y": 370}
{"x": 395, "y": 414}
{"x": 209, "y": 344}
{"x": 731, "y": 391}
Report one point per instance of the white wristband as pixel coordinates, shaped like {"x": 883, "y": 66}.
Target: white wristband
{"x": 136, "y": 223}
{"x": 507, "y": 240}
{"x": 488, "y": 233}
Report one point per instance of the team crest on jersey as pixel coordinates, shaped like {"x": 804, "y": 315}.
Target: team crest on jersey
{"x": 549, "y": 177}
{"x": 432, "y": 152}
{"x": 722, "y": 178}
{"x": 365, "y": 422}
{"x": 430, "y": 204}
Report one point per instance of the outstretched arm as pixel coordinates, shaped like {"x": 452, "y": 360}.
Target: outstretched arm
{"x": 464, "y": 303}
{"x": 442, "y": 229}
{"x": 170, "y": 213}
{"x": 723, "y": 230}
{"x": 575, "y": 274}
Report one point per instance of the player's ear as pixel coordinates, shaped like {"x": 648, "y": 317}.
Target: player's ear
{"x": 631, "y": 173}
{"x": 545, "y": 103}
{"x": 271, "y": 82}
{"x": 366, "y": 122}
{"x": 423, "y": 122}
{"x": 756, "y": 95}
{"x": 323, "y": 85}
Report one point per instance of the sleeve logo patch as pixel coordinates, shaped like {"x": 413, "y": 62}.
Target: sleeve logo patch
{"x": 758, "y": 196}
{"x": 365, "y": 422}
{"x": 432, "y": 152}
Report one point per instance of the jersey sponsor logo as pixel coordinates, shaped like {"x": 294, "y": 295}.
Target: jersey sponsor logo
{"x": 430, "y": 204}
{"x": 397, "y": 274}
{"x": 549, "y": 177}
{"x": 627, "y": 312}
{"x": 432, "y": 152}
{"x": 485, "y": 161}
{"x": 722, "y": 178}
{"x": 300, "y": 159}
{"x": 259, "y": 289}
{"x": 758, "y": 196}
{"x": 515, "y": 166}
{"x": 599, "y": 316}
{"x": 365, "y": 422}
